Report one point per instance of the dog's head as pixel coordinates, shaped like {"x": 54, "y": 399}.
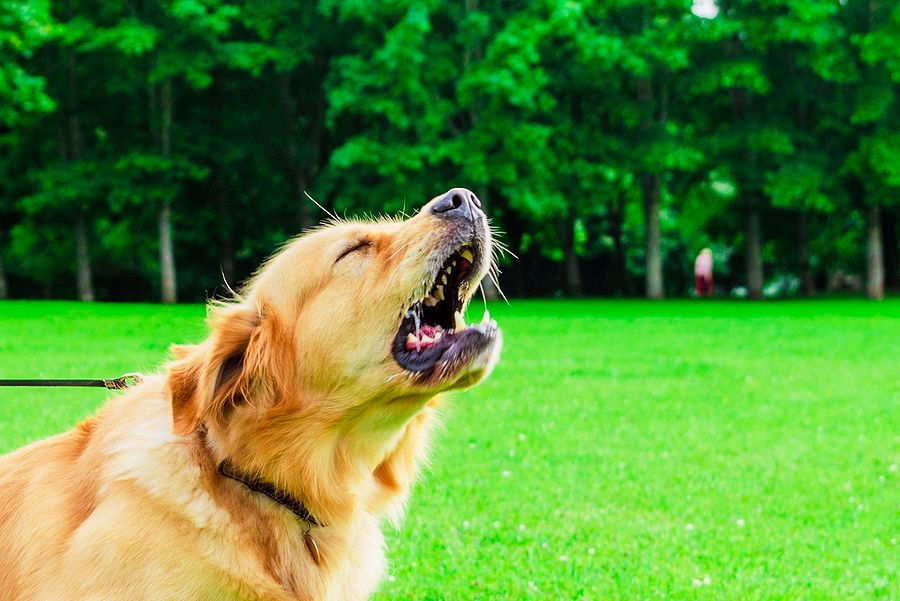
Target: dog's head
{"x": 356, "y": 324}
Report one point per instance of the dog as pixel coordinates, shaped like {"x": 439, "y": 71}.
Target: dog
{"x": 262, "y": 462}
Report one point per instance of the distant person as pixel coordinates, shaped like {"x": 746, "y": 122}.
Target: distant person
{"x": 703, "y": 273}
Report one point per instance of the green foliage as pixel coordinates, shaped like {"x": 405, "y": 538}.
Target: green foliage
{"x": 24, "y": 26}
{"x": 559, "y": 114}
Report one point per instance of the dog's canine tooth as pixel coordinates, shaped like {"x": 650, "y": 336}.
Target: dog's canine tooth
{"x": 467, "y": 255}
{"x": 430, "y": 301}
{"x": 439, "y": 293}
{"x": 460, "y": 323}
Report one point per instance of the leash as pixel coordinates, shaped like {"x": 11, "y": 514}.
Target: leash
{"x": 122, "y": 382}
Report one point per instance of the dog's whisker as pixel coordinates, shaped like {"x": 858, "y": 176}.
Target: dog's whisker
{"x": 483, "y": 295}
{"x": 402, "y": 248}
{"x": 497, "y": 285}
{"x": 316, "y": 202}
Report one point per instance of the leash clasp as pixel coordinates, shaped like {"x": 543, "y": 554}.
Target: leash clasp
{"x": 124, "y": 381}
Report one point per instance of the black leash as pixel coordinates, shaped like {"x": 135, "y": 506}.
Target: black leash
{"x": 120, "y": 383}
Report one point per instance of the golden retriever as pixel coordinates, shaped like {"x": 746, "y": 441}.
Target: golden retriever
{"x": 262, "y": 462}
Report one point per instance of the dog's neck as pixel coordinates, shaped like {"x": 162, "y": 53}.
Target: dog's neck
{"x": 333, "y": 473}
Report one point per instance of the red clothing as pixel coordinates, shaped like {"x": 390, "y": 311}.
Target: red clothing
{"x": 703, "y": 285}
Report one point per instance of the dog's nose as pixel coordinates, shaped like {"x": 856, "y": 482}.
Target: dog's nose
{"x": 457, "y": 203}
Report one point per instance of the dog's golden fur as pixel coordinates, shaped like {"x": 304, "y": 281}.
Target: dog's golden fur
{"x": 295, "y": 384}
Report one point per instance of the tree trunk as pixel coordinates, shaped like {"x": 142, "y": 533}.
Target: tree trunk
{"x": 295, "y": 168}
{"x": 653, "y": 239}
{"x": 754, "y": 254}
{"x": 650, "y": 192}
{"x": 874, "y": 254}
{"x": 166, "y": 256}
{"x": 226, "y": 246}
{"x": 890, "y": 250}
{"x": 85, "y": 284}
{"x": 82, "y": 254}
{"x": 807, "y": 287}
{"x": 574, "y": 285}
{"x": 166, "y": 248}
{"x": 4, "y": 288}
{"x": 617, "y": 218}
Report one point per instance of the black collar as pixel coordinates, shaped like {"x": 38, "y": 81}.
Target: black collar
{"x": 283, "y": 498}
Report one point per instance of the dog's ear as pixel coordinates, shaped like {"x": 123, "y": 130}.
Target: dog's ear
{"x": 205, "y": 378}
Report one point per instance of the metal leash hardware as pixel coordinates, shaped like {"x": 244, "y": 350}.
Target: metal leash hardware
{"x": 124, "y": 381}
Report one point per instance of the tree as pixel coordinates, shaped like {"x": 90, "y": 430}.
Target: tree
{"x": 24, "y": 27}
{"x": 873, "y": 166}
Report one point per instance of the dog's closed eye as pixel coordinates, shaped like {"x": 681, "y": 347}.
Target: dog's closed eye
{"x": 355, "y": 246}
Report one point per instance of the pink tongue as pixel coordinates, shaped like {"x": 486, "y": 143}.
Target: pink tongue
{"x": 421, "y": 343}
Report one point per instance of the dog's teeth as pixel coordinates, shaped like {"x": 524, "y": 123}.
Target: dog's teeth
{"x": 437, "y": 336}
{"x": 459, "y": 322}
{"x": 486, "y": 318}
{"x": 467, "y": 255}
{"x": 444, "y": 278}
{"x": 439, "y": 293}
{"x": 411, "y": 341}
{"x": 426, "y": 339}
{"x": 430, "y": 301}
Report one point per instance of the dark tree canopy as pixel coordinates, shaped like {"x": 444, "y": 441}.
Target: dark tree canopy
{"x": 147, "y": 149}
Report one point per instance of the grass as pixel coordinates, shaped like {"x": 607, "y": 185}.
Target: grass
{"x": 621, "y": 450}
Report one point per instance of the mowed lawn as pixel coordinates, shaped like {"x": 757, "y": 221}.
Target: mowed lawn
{"x": 621, "y": 450}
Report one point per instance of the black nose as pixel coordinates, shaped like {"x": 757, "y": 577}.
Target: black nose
{"x": 457, "y": 203}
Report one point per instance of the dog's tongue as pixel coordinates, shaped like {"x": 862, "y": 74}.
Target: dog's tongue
{"x": 427, "y": 336}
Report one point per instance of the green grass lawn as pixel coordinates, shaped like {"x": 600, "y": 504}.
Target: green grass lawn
{"x": 621, "y": 450}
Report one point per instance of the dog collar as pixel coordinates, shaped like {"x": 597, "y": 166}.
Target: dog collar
{"x": 282, "y": 497}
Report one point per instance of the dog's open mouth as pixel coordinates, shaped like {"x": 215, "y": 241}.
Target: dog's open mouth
{"x": 433, "y": 329}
